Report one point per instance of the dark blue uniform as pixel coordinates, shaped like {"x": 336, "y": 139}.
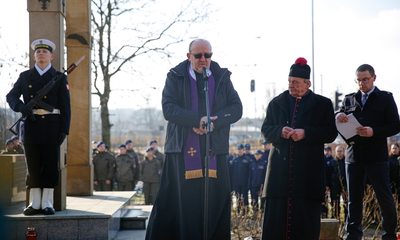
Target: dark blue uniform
{"x": 41, "y": 137}
{"x": 257, "y": 173}
{"x": 240, "y": 175}
{"x": 251, "y": 156}
{"x": 265, "y": 156}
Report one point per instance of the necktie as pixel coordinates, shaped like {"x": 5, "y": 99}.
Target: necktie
{"x": 364, "y": 99}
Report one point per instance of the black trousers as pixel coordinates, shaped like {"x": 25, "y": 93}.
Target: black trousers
{"x": 42, "y": 161}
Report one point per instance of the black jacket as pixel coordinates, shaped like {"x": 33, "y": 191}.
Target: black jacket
{"x": 379, "y": 113}
{"x": 46, "y": 128}
{"x": 317, "y": 119}
{"x": 176, "y": 108}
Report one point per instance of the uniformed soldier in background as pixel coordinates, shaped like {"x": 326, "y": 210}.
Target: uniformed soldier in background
{"x": 103, "y": 163}
{"x": 132, "y": 154}
{"x": 266, "y": 147}
{"x": 258, "y": 169}
{"x": 42, "y": 132}
{"x": 240, "y": 176}
{"x": 247, "y": 152}
{"x": 125, "y": 168}
{"x": 9, "y": 148}
{"x": 159, "y": 155}
{"x": 150, "y": 175}
{"x": 17, "y": 145}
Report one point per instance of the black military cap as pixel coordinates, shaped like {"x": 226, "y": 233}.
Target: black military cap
{"x": 240, "y": 146}
{"x": 258, "y": 152}
{"x": 265, "y": 142}
{"x": 247, "y": 146}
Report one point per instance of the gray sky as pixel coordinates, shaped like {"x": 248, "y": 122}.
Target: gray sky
{"x": 259, "y": 40}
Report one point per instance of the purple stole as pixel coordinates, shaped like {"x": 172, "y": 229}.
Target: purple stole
{"x": 191, "y": 148}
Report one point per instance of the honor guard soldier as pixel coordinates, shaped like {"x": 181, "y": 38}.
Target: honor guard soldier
{"x": 42, "y": 132}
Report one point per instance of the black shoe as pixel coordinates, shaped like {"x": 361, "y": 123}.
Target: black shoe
{"x": 48, "y": 211}
{"x": 31, "y": 211}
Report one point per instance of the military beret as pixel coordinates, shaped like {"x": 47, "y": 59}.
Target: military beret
{"x": 129, "y": 141}
{"x": 8, "y": 141}
{"x": 99, "y": 143}
{"x": 153, "y": 141}
{"x": 122, "y": 146}
{"x": 149, "y": 149}
{"x": 14, "y": 137}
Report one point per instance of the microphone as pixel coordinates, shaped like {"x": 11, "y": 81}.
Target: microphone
{"x": 205, "y": 75}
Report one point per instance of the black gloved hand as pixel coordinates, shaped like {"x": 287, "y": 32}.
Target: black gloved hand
{"x": 26, "y": 111}
{"x": 61, "y": 138}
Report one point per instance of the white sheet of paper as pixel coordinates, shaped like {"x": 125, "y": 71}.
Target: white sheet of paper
{"x": 348, "y": 129}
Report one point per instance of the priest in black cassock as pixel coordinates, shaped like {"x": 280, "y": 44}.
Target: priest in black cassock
{"x": 298, "y": 123}
{"x": 178, "y": 211}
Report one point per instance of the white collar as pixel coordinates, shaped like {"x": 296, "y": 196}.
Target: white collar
{"x": 193, "y": 75}
{"x": 40, "y": 71}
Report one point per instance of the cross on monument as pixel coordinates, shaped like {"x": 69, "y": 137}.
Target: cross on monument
{"x": 44, "y": 7}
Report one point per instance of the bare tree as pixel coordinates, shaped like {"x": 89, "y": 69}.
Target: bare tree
{"x": 116, "y": 47}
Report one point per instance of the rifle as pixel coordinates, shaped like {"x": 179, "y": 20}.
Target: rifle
{"x": 37, "y": 100}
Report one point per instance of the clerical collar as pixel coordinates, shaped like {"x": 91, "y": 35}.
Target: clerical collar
{"x": 191, "y": 72}
{"x": 303, "y": 95}
{"x": 40, "y": 71}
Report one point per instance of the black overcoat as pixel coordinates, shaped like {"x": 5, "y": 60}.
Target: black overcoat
{"x": 176, "y": 108}
{"x": 379, "y": 113}
{"x": 318, "y": 121}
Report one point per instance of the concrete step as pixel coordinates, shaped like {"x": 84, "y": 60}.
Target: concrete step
{"x": 134, "y": 219}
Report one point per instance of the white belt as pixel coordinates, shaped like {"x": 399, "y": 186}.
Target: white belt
{"x": 44, "y": 112}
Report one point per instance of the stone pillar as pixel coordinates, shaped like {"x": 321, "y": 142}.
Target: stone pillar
{"x": 46, "y": 20}
{"x": 78, "y": 42}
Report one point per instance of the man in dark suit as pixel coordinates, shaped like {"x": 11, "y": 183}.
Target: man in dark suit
{"x": 42, "y": 132}
{"x": 297, "y": 124}
{"x": 368, "y": 155}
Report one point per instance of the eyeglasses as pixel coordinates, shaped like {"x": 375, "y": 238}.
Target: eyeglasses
{"x": 365, "y": 80}
{"x": 200, "y": 55}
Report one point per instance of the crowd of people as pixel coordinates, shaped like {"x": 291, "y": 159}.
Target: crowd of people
{"x": 247, "y": 173}
{"x": 292, "y": 176}
{"x": 126, "y": 168}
